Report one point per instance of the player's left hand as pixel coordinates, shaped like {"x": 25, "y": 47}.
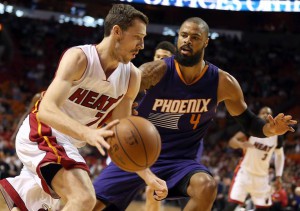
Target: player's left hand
{"x": 280, "y": 124}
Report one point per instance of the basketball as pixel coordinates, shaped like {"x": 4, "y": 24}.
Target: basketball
{"x": 135, "y": 145}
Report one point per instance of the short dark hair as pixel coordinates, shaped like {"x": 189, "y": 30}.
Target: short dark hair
{"x": 200, "y": 22}
{"x": 123, "y": 16}
{"x": 166, "y": 45}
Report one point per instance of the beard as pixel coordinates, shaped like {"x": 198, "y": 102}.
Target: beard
{"x": 188, "y": 61}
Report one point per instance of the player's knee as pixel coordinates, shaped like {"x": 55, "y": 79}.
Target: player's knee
{"x": 90, "y": 199}
{"x": 203, "y": 185}
{"x": 210, "y": 187}
{"x": 85, "y": 201}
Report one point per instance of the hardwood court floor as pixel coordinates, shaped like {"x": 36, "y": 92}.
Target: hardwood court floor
{"x": 139, "y": 206}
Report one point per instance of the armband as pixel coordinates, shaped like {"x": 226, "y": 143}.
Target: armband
{"x": 252, "y": 124}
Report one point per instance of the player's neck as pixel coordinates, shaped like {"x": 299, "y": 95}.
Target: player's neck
{"x": 107, "y": 61}
{"x": 190, "y": 74}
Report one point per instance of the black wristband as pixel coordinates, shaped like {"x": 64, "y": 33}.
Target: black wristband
{"x": 252, "y": 124}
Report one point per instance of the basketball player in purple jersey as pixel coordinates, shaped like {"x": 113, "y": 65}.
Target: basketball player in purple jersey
{"x": 182, "y": 96}
{"x": 94, "y": 84}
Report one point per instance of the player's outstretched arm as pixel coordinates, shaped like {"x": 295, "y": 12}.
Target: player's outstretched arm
{"x": 231, "y": 93}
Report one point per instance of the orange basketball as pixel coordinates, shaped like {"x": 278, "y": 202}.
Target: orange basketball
{"x": 135, "y": 145}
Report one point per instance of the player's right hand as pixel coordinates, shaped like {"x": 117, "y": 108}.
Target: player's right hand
{"x": 96, "y": 137}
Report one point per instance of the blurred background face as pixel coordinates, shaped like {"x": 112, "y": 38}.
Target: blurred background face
{"x": 264, "y": 112}
{"x": 192, "y": 40}
{"x": 161, "y": 54}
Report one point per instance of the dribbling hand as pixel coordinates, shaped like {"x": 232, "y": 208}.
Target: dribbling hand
{"x": 96, "y": 137}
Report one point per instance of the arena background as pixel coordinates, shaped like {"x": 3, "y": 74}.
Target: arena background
{"x": 261, "y": 49}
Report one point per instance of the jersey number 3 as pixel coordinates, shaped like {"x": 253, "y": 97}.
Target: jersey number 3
{"x": 265, "y": 156}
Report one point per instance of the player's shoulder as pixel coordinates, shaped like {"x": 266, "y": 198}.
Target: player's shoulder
{"x": 135, "y": 72}
{"x": 75, "y": 53}
{"x": 72, "y": 64}
{"x": 224, "y": 74}
{"x": 226, "y": 79}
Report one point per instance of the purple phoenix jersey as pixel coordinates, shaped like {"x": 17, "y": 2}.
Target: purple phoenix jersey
{"x": 181, "y": 112}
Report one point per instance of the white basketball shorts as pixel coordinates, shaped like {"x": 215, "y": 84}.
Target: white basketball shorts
{"x": 245, "y": 183}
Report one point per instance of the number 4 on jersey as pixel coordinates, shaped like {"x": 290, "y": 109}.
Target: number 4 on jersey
{"x": 195, "y": 119}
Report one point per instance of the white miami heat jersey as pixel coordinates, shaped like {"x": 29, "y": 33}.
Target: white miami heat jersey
{"x": 94, "y": 96}
{"x": 256, "y": 160}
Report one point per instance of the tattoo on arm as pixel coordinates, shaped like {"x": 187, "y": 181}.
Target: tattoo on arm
{"x": 152, "y": 73}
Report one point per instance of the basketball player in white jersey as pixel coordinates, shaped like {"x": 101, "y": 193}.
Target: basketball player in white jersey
{"x": 94, "y": 84}
{"x": 252, "y": 174}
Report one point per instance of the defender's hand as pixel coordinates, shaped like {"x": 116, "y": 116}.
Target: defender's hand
{"x": 279, "y": 125}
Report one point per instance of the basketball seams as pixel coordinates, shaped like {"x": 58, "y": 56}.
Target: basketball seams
{"x": 138, "y": 132}
{"x": 133, "y": 144}
{"x": 120, "y": 144}
{"x": 125, "y": 152}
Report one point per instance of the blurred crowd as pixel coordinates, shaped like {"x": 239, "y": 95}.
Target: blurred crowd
{"x": 269, "y": 75}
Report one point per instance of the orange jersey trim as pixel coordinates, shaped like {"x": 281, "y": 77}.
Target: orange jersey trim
{"x": 181, "y": 76}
